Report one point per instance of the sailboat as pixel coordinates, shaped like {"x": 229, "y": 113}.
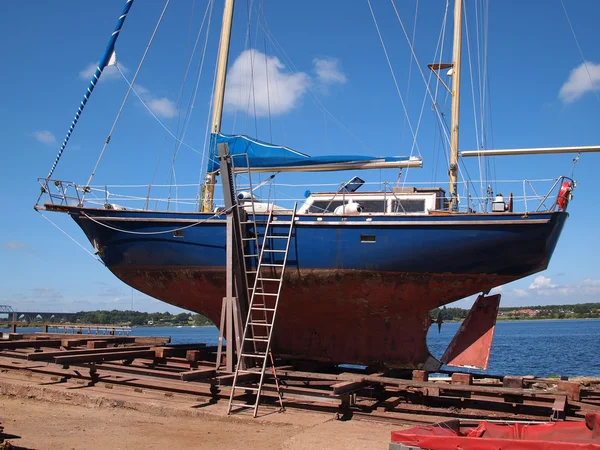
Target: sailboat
{"x": 364, "y": 267}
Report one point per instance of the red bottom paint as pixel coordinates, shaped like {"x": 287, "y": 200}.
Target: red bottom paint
{"x": 335, "y": 316}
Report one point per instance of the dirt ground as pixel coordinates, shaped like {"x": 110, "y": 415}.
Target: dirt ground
{"x": 45, "y": 414}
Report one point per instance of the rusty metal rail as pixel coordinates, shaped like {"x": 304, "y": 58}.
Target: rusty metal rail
{"x": 190, "y": 369}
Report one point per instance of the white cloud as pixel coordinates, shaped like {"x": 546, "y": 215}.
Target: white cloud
{"x": 262, "y": 82}
{"x": 109, "y": 72}
{"x": 328, "y": 71}
{"x": 141, "y": 90}
{"x": 583, "y": 79}
{"x": 44, "y": 136}
{"x": 162, "y": 107}
{"x": 520, "y": 292}
{"x": 541, "y": 282}
{"x": 589, "y": 286}
{"x": 14, "y": 245}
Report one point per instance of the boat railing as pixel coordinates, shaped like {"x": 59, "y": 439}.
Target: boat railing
{"x": 526, "y": 196}
{"x": 58, "y": 193}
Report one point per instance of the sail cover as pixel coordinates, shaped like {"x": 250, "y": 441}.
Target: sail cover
{"x": 265, "y": 157}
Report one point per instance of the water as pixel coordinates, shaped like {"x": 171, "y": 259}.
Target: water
{"x": 535, "y": 347}
{"x": 183, "y": 335}
{"x": 541, "y": 348}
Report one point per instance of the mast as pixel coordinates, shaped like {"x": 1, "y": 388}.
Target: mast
{"x": 210, "y": 181}
{"x": 456, "y": 69}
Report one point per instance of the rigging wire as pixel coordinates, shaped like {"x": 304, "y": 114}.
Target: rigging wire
{"x": 72, "y": 238}
{"x": 575, "y": 161}
{"x": 580, "y": 51}
{"x": 312, "y": 95}
{"x": 410, "y": 64}
{"x": 127, "y": 94}
{"x": 206, "y": 151}
{"x": 190, "y": 107}
{"x": 192, "y": 101}
{"x": 393, "y": 74}
{"x": 476, "y": 126}
{"x": 180, "y": 95}
{"x": 412, "y": 49}
{"x": 160, "y": 122}
{"x": 267, "y": 79}
{"x": 246, "y": 47}
{"x": 439, "y": 43}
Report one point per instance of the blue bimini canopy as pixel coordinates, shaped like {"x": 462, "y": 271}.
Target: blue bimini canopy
{"x": 265, "y": 157}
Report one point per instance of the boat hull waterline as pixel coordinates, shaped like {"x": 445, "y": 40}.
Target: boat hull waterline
{"x": 357, "y": 289}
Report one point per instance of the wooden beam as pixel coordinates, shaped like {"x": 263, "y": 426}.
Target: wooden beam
{"x": 49, "y": 356}
{"x": 26, "y": 343}
{"x": 346, "y": 386}
{"x": 226, "y": 380}
{"x": 105, "y": 356}
{"x": 198, "y": 374}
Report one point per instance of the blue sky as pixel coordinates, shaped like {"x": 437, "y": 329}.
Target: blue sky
{"x": 538, "y": 94}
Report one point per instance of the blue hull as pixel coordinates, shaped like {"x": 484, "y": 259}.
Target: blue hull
{"x": 346, "y": 299}
{"x": 500, "y": 244}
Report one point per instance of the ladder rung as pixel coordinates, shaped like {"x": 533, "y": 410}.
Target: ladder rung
{"x": 252, "y": 255}
{"x": 271, "y": 265}
{"x": 242, "y": 405}
{"x": 262, "y": 309}
{"x": 267, "y": 293}
{"x": 276, "y": 237}
{"x": 245, "y": 371}
{"x": 258, "y": 324}
{"x": 251, "y": 271}
{"x": 274, "y": 251}
{"x": 248, "y": 239}
{"x": 257, "y": 340}
{"x": 247, "y": 388}
{"x": 254, "y": 355}
{"x": 269, "y": 279}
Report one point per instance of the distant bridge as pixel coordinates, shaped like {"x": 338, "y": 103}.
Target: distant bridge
{"x": 31, "y": 316}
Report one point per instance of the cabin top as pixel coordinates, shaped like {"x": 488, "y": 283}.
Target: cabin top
{"x": 407, "y": 200}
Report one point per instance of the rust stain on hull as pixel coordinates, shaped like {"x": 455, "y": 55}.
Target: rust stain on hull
{"x": 341, "y": 316}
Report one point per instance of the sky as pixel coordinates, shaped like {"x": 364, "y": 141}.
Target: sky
{"x": 321, "y": 84}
